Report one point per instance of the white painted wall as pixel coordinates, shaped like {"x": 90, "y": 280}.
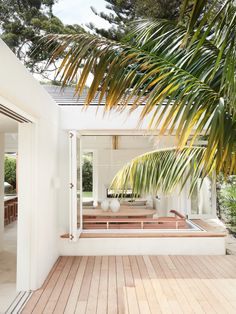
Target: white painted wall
{"x": 38, "y": 168}
{"x": 144, "y": 246}
{"x": 92, "y": 118}
{"x": 109, "y": 161}
{"x": 1, "y": 190}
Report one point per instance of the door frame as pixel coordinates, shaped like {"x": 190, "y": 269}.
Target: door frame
{"x": 26, "y": 238}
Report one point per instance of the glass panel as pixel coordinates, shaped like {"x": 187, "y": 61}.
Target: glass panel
{"x": 87, "y": 176}
{"x": 79, "y": 185}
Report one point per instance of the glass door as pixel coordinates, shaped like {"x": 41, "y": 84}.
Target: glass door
{"x": 75, "y": 185}
{"x": 79, "y": 196}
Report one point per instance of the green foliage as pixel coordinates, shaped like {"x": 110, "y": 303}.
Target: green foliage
{"x": 22, "y": 23}
{"x": 10, "y": 170}
{"x": 87, "y": 172}
{"x": 228, "y": 201}
{"x": 123, "y": 12}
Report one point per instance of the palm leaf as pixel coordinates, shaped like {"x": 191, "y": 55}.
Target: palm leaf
{"x": 160, "y": 170}
{"x": 189, "y": 90}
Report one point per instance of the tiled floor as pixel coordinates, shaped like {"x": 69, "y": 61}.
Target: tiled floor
{"x": 8, "y": 268}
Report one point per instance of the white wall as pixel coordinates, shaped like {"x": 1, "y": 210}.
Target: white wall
{"x": 92, "y": 118}
{"x": 109, "y": 161}
{"x": 1, "y": 190}
{"x": 38, "y": 168}
{"x": 145, "y": 246}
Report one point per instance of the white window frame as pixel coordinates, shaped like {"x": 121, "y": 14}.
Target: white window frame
{"x": 95, "y": 172}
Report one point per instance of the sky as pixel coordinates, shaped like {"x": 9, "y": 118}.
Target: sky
{"x": 79, "y": 11}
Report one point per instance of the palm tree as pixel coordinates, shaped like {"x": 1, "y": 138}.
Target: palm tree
{"x": 188, "y": 66}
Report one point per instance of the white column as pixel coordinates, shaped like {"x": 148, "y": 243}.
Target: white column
{"x": 1, "y": 190}
{"x": 26, "y": 206}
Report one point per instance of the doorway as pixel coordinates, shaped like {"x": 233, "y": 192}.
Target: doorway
{"x": 8, "y": 210}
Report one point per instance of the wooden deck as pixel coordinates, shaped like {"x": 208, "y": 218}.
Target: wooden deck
{"x": 138, "y": 284}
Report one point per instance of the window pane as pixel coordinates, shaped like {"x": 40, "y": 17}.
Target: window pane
{"x": 87, "y": 174}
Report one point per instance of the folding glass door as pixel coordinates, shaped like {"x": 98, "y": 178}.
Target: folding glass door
{"x": 75, "y": 216}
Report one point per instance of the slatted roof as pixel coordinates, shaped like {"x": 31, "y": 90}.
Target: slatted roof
{"x": 67, "y": 97}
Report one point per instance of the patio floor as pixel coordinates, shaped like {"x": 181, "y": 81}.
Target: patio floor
{"x": 138, "y": 284}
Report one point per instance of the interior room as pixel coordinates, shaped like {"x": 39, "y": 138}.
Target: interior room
{"x": 8, "y": 210}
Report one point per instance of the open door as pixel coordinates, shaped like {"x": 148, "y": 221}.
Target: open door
{"x": 75, "y": 223}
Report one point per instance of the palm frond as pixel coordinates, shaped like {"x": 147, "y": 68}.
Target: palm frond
{"x": 189, "y": 89}
{"x": 161, "y": 170}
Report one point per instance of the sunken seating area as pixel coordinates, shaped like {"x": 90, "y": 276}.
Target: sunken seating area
{"x": 129, "y": 222}
{"x": 135, "y": 223}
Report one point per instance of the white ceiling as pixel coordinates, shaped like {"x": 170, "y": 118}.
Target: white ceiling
{"x": 7, "y": 125}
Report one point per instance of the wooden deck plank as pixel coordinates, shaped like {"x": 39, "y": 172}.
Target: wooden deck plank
{"x": 85, "y": 286}
{"x": 112, "y": 288}
{"x": 103, "y": 287}
{"x": 93, "y": 292}
{"x": 203, "y": 295}
{"x": 148, "y": 234}
{"x": 139, "y": 287}
{"x": 187, "y": 283}
{"x": 155, "y": 275}
{"x": 52, "y": 301}
{"x": 121, "y": 291}
{"x": 36, "y": 295}
{"x": 72, "y": 301}
{"x": 66, "y": 291}
{"x": 150, "y": 293}
{"x": 133, "y": 307}
{"x": 217, "y": 286}
{"x": 169, "y": 286}
{"x": 138, "y": 284}
{"x": 42, "y": 302}
{"x": 178, "y": 289}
